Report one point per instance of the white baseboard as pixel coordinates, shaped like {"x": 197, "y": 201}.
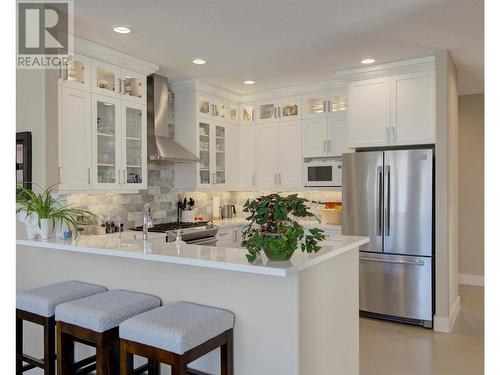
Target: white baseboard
{"x": 467, "y": 279}
{"x": 446, "y": 324}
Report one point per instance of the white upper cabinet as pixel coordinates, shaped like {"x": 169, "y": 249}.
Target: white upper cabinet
{"x": 289, "y": 108}
{"x": 267, "y": 111}
{"x": 204, "y": 107}
{"x": 74, "y": 130}
{"x": 369, "y": 112}
{"x": 337, "y": 143}
{"x": 267, "y": 156}
{"x": 413, "y": 119}
{"x": 232, "y": 157}
{"x": 247, "y": 154}
{"x": 232, "y": 113}
{"x": 315, "y": 137}
{"x": 111, "y": 80}
{"x": 247, "y": 113}
{"x": 290, "y": 155}
{"x": 337, "y": 102}
{"x": 216, "y": 109}
{"x": 324, "y": 103}
{"x": 78, "y": 74}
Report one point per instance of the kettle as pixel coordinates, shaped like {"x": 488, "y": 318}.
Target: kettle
{"x": 228, "y": 211}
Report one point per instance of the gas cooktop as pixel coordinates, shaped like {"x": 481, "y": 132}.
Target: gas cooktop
{"x": 166, "y": 227}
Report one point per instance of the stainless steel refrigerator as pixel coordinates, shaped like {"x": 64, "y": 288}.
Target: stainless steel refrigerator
{"x": 389, "y": 197}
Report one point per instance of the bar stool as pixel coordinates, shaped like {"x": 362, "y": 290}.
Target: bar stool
{"x": 37, "y": 306}
{"x": 94, "y": 321}
{"x": 177, "y": 334}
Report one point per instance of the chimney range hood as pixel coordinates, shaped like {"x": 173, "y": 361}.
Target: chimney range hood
{"x": 161, "y": 147}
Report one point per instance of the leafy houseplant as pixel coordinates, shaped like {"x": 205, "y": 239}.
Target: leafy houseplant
{"x": 273, "y": 227}
{"x": 44, "y": 209}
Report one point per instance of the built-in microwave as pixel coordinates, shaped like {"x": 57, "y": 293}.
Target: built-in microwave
{"x": 322, "y": 172}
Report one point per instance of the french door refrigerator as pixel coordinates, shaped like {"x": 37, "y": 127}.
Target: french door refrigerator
{"x": 388, "y": 197}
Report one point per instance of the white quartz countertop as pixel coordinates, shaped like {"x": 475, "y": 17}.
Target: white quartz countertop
{"x": 158, "y": 250}
{"x": 238, "y": 221}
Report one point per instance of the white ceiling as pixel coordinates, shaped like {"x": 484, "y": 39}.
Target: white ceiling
{"x": 285, "y": 42}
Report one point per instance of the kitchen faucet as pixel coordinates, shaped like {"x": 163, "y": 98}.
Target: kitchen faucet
{"x": 147, "y": 222}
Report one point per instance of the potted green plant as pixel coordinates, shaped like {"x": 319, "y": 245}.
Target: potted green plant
{"x": 43, "y": 211}
{"x": 274, "y": 229}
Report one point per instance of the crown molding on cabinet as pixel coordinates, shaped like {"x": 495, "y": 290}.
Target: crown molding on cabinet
{"x": 207, "y": 87}
{"x": 391, "y": 68}
{"x": 112, "y": 56}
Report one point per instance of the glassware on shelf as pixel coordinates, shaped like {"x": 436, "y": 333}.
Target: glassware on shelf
{"x": 266, "y": 111}
{"x": 339, "y": 103}
{"x": 290, "y": 110}
{"x": 316, "y": 105}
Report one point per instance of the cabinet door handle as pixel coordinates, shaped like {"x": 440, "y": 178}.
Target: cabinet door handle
{"x": 214, "y": 181}
{"x": 329, "y": 106}
{"x": 119, "y": 85}
{"x": 279, "y": 178}
{"x": 324, "y": 106}
{"x": 329, "y": 145}
{"x": 387, "y": 137}
{"x": 124, "y": 177}
{"x": 253, "y": 115}
{"x": 324, "y": 147}
{"x": 275, "y": 112}
{"x": 235, "y": 236}
{"x": 393, "y": 133}
{"x": 253, "y": 180}
{"x": 276, "y": 179}
{"x": 279, "y": 112}
{"x": 88, "y": 175}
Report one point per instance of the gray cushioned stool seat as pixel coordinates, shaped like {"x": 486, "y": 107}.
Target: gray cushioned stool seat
{"x": 104, "y": 311}
{"x": 43, "y": 301}
{"x": 177, "y": 327}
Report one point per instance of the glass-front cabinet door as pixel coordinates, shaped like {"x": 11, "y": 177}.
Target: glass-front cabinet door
{"x": 267, "y": 111}
{"x": 204, "y": 106}
{"x": 314, "y": 105}
{"x": 219, "y": 176}
{"x": 232, "y": 113}
{"x": 106, "y": 143}
{"x": 337, "y": 102}
{"x": 77, "y": 73}
{"x": 105, "y": 79}
{"x": 133, "y": 86}
{"x": 289, "y": 108}
{"x": 246, "y": 113}
{"x": 204, "y": 147}
{"x": 134, "y": 165}
{"x": 218, "y": 110}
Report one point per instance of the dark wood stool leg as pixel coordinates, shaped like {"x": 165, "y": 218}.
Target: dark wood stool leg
{"x": 102, "y": 355}
{"x": 49, "y": 342}
{"x": 19, "y": 346}
{"x": 126, "y": 360}
{"x": 153, "y": 367}
{"x": 226, "y": 355}
{"x": 65, "y": 352}
{"x": 179, "y": 366}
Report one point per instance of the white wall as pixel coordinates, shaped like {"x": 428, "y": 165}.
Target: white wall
{"x": 471, "y": 187}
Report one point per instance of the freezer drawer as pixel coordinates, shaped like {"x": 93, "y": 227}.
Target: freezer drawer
{"x": 397, "y": 286}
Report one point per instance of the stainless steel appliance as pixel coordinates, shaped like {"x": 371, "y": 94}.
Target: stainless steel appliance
{"x": 197, "y": 233}
{"x": 322, "y": 172}
{"x": 228, "y": 211}
{"x": 388, "y": 196}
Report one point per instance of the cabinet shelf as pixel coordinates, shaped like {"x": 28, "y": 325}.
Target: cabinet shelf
{"x": 106, "y": 135}
{"x": 105, "y": 165}
{"x": 133, "y": 166}
{"x": 133, "y": 138}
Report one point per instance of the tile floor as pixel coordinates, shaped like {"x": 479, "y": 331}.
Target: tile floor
{"x": 398, "y": 349}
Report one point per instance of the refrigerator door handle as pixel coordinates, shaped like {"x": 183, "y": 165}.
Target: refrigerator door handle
{"x": 387, "y": 214}
{"x": 407, "y": 262}
{"x": 379, "y": 201}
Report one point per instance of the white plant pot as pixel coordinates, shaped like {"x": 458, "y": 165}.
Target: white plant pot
{"x": 46, "y": 229}
{"x": 30, "y": 224}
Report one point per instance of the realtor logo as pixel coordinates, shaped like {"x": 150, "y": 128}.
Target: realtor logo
{"x": 44, "y": 34}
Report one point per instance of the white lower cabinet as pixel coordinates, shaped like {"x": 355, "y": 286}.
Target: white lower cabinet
{"x": 74, "y": 152}
{"x": 279, "y": 155}
{"x": 230, "y": 237}
{"x": 325, "y": 136}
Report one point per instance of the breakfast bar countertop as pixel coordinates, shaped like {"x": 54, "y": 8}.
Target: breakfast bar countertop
{"x": 156, "y": 249}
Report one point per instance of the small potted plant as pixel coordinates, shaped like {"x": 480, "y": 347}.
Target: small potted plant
{"x": 41, "y": 212}
{"x": 274, "y": 229}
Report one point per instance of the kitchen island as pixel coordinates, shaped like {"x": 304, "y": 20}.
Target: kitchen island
{"x": 295, "y": 317}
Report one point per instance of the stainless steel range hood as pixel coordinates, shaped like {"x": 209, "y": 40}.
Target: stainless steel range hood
{"x": 161, "y": 147}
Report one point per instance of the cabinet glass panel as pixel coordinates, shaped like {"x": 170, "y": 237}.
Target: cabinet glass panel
{"x": 204, "y": 149}
{"x": 204, "y": 106}
{"x": 266, "y": 111}
{"x": 315, "y": 105}
{"x": 289, "y": 108}
{"x": 232, "y": 113}
{"x": 132, "y": 86}
{"x": 219, "y": 110}
{"x": 105, "y": 78}
{"x": 247, "y": 113}
{"x": 133, "y": 145}
{"x": 106, "y": 142}
{"x": 338, "y": 103}
{"x": 220, "y": 155}
{"x": 76, "y": 72}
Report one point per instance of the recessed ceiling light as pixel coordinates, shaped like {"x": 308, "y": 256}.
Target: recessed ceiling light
{"x": 249, "y": 82}
{"x": 121, "y": 29}
{"x": 368, "y": 60}
{"x": 199, "y": 61}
